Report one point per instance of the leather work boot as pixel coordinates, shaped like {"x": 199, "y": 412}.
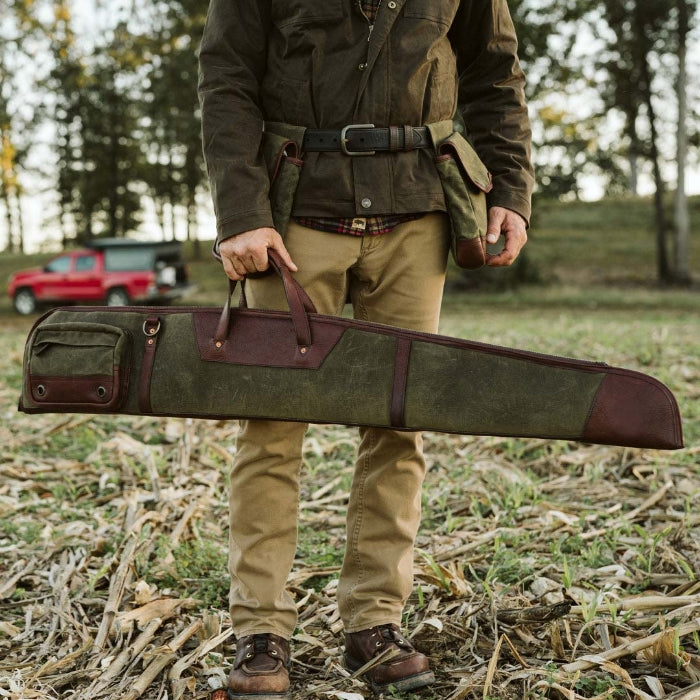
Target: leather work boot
{"x": 261, "y": 669}
{"x": 405, "y": 669}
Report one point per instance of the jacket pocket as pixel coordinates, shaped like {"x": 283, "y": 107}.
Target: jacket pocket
{"x": 465, "y": 182}
{"x": 442, "y": 11}
{"x": 284, "y": 167}
{"x": 78, "y": 366}
{"x": 285, "y": 12}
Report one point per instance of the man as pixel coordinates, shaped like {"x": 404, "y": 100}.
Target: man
{"x": 368, "y": 224}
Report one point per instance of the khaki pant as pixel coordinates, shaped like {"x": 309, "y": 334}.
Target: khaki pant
{"x": 396, "y": 278}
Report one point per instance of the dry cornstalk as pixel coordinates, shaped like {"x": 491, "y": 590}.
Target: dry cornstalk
{"x": 53, "y": 666}
{"x": 7, "y": 588}
{"x": 469, "y": 546}
{"x": 182, "y": 524}
{"x": 690, "y": 693}
{"x": 140, "y": 685}
{"x": 590, "y": 661}
{"x": 116, "y": 591}
{"x": 629, "y": 517}
{"x": 202, "y": 650}
{"x": 646, "y": 603}
{"x": 493, "y": 665}
{"x": 128, "y": 653}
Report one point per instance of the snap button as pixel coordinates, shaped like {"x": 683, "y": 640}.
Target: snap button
{"x": 362, "y": 66}
{"x": 366, "y": 203}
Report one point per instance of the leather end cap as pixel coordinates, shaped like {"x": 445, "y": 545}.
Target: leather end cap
{"x": 471, "y": 254}
{"x": 634, "y": 410}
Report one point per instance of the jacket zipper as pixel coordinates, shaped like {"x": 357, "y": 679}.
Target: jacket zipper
{"x": 370, "y": 24}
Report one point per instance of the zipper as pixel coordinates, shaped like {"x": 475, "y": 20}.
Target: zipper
{"x": 370, "y": 24}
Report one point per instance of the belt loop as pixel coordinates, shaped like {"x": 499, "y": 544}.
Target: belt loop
{"x": 408, "y": 138}
{"x": 394, "y": 140}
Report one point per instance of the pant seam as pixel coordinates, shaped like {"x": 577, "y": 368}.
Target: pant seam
{"x": 354, "y": 542}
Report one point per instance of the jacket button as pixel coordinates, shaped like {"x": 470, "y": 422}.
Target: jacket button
{"x": 362, "y": 66}
{"x": 392, "y": 5}
{"x": 366, "y": 203}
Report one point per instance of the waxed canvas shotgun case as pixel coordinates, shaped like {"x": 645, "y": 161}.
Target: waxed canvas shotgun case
{"x": 304, "y": 366}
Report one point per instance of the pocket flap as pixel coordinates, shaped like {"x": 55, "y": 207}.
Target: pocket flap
{"x": 472, "y": 165}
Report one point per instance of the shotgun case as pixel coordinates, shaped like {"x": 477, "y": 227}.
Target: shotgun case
{"x": 303, "y": 366}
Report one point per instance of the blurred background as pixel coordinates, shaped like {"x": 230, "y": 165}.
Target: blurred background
{"x": 100, "y": 133}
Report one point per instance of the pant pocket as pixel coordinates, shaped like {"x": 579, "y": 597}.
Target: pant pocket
{"x": 465, "y": 182}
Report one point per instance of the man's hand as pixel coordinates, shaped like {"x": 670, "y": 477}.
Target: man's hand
{"x": 246, "y": 252}
{"x": 506, "y": 223}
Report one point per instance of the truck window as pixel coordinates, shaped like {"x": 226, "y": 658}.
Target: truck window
{"x": 128, "y": 259}
{"x": 61, "y": 264}
{"x": 84, "y": 263}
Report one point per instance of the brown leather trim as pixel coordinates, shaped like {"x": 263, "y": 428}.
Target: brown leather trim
{"x": 151, "y": 327}
{"x": 99, "y": 391}
{"x": 634, "y": 410}
{"x": 263, "y": 338}
{"x": 398, "y": 393}
{"x": 471, "y": 254}
{"x": 288, "y": 149}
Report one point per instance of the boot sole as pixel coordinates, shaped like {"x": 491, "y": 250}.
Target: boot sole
{"x": 259, "y": 696}
{"x": 419, "y": 680}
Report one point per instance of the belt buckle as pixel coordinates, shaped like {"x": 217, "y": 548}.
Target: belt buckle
{"x": 344, "y": 140}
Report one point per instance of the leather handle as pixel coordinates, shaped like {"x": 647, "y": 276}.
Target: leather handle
{"x": 299, "y": 302}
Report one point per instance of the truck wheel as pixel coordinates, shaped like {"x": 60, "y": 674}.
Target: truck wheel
{"x": 117, "y": 297}
{"x": 24, "y": 302}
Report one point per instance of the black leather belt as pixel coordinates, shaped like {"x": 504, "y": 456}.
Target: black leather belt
{"x": 366, "y": 139}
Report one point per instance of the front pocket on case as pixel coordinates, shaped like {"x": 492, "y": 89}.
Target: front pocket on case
{"x": 78, "y": 366}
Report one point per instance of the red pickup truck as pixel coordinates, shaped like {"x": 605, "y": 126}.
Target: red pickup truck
{"x": 116, "y": 272}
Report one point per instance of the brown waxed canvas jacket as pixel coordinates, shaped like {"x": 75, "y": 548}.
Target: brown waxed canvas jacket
{"x": 316, "y": 64}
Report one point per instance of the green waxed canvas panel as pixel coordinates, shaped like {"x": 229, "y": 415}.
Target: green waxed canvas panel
{"x": 353, "y": 384}
{"x": 469, "y": 391}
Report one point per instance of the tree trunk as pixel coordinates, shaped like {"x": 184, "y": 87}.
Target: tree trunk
{"x": 9, "y": 247}
{"x": 20, "y": 222}
{"x": 682, "y": 228}
{"x": 663, "y": 270}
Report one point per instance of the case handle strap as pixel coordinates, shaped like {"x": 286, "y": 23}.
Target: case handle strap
{"x": 300, "y": 304}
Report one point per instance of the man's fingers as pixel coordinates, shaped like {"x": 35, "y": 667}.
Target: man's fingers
{"x": 280, "y": 248}
{"x": 512, "y": 227}
{"x": 515, "y": 240}
{"x": 247, "y": 253}
{"x": 495, "y": 223}
{"x": 230, "y": 270}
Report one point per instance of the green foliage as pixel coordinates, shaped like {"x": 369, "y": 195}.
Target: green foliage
{"x": 197, "y": 570}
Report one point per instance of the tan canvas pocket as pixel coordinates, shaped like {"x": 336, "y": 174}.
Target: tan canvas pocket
{"x": 73, "y": 366}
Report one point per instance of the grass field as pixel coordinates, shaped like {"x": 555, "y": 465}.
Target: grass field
{"x": 544, "y": 569}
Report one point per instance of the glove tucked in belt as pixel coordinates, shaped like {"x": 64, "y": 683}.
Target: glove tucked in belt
{"x": 366, "y": 139}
